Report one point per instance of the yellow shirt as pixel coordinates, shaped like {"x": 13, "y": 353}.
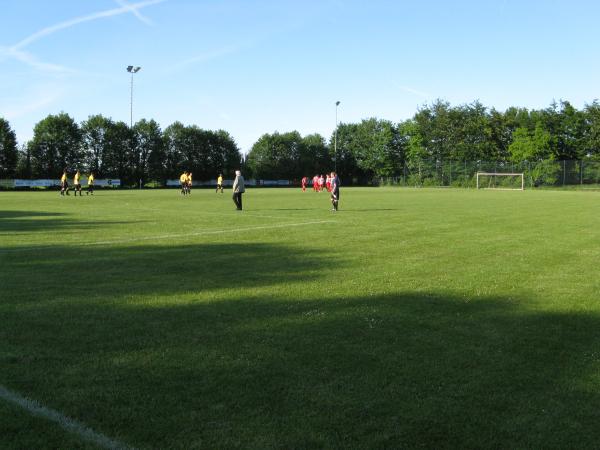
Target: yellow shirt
{"x": 63, "y": 178}
{"x": 90, "y": 179}
{"x": 76, "y": 178}
{"x": 183, "y": 178}
{"x": 189, "y": 178}
{"x": 220, "y": 180}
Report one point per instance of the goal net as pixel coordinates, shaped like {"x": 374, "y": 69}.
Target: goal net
{"x": 493, "y": 180}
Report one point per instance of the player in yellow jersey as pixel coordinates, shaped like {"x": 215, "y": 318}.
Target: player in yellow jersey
{"x": 77, "y": 184}
{"x": 90, "y": 189}
{"x": 219, "y": 183}
{"x": 64, "y": 184}
{"x": 183, "y": 182}
{"x": 189, "y": 183}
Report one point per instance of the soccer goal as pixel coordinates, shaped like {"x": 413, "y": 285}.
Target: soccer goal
{"x": 505, "y": 181}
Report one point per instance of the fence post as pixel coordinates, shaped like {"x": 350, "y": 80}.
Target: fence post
{"x": 564, "y": 172}
{"x": 581, "y": 172}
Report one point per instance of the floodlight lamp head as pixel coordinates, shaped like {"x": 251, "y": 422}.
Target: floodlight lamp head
{"x": 337, "y": 103}
{"x": 129, "y": 68}
{"x": 137, "y": 69}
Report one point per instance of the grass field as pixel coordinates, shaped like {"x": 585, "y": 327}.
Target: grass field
{"x": 410, "y": 318}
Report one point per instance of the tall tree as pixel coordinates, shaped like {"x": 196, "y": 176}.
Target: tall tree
{"x": 528, "y": 146}
{"x": 119, "y": 158}
{"x": 344, "y": 159}
{"x": 149, "y": 150}
{"x": 56, "y": 145}
{"x": 377, "y": 148}
{"x": 276, "y": 156}
{"x": 95, "y": 132}
{"x": 313, "y": 156}
{"x": 24, "y": 169}
{"x": 8, "y": 150}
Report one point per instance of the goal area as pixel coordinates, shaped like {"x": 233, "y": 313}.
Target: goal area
{"x": 502, "y": 181}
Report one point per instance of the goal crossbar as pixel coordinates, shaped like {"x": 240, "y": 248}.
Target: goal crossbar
{"x": 501, "y": 174}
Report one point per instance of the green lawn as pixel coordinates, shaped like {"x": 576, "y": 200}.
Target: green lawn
{"x": 411, "y": 318}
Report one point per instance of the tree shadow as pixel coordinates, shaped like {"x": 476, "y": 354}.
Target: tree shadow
{"x": 33, "y": 221}
{"x": 400, "y": 370}
{"x": 156, "y": 269}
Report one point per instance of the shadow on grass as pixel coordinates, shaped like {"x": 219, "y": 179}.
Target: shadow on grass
{"x": 32, "y": 221}
{"x": 387, "y": 371}
{"x": 153, "y": 269}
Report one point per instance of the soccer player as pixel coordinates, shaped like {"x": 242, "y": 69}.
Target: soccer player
{"x": 189, "y": 183}
{"x": 64, "y": 184}
{"x": 90, "y": 189}
{"x": 335, "y": 191}
{"x": 328, "y": 183}
{"x": 77, "y": 183}
{"x": 321, "y": 183}
{"x": 183, "y": 182}
{"x": 316, "y": 183}
{"x": 304, "y": 181}
{"x": 219, "y": 183}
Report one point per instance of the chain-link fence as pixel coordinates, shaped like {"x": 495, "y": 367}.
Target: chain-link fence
{"x": 464, "y": 173}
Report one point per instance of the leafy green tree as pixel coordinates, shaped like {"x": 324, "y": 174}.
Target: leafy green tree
{"x": 95, "y": 138}
{"x": 313, "y": 156}
{"x": 528, "y": 146}
{"x": 276, "y": 156}
{"x": 119, "y": 158}
{"x": 500, "y": 137}
{"x": 174, "y": 138}
{"x": 8, "y": 150}
{"x": 24, "y": 169}
{"x": 149, "y": 151}
{"x": 344, "y": 159}
{"x": 591, "y": 137}
{"x": 56, "y": 145}
{"x": 225, "y": 156}
{"x": 205, "y": 153}
{"x": 377, "y": 148}
{"x": 570, "y": 132}
{"x": 472, "y": 133}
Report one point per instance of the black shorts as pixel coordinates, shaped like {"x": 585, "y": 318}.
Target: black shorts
{"x": 335, "y": 194}
{"x": 77, "y": 186}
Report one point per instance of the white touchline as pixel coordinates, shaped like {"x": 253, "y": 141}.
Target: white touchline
{"x": 65, "y": 422}
{"x": 170, "y": 236}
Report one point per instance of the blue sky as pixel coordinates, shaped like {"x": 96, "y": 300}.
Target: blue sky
{"x": 254, "y": 67}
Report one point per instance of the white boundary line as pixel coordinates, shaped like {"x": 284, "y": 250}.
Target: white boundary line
{"x": 70, "y": 425}
{"x": 170, "y": 236}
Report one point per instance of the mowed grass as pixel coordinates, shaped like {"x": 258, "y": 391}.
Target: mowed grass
{"x": 410, "y": 318}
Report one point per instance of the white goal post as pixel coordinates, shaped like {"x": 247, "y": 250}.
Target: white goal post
{"x": 493, "y": 176}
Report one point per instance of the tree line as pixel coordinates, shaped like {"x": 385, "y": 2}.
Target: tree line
{"x": 371, "y": 148}
{"x": 112, "y": 149}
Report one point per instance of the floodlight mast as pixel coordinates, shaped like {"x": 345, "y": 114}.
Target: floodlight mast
{"x": 335, "y": 137}
{"x": 132, "y": 70}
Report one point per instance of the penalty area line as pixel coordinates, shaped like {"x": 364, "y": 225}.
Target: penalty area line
{"x": 70, "y": 425}
{"x": 209, "y": 232}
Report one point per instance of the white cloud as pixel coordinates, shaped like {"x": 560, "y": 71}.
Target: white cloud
{"x": 37, "y": 99}
{"x": 32, "y": 61}
{"x": 416, "y": 92}
{"x": 17, "y": 50}
{"x": 135, "y": 12}
{"x": 204, "y": 57}
{"x": 82, "y": 19}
